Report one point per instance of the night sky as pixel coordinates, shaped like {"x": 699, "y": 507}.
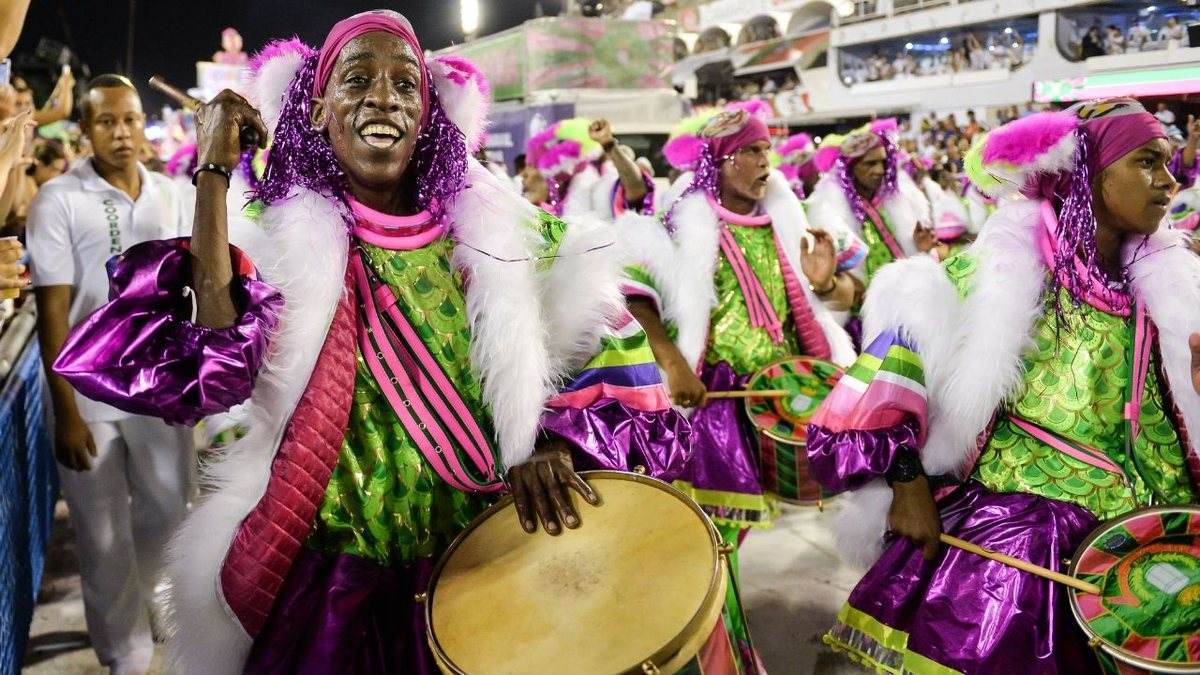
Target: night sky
{"x": 171, "y": 35}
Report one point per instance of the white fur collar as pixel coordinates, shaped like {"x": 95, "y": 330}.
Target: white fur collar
{"x": 974, "y": 347}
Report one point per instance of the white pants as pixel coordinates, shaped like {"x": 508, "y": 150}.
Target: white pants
{"x": 124, "y": 510}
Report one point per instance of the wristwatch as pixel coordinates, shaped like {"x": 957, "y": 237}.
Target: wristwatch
{"x": 906, "y": 467}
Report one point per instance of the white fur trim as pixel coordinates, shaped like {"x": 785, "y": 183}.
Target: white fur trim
{"x": 1166, "y": 275}
{"x": 861, "y": 523}
{"x": 309, "y": 260}
{"x": 829, "y": 210}
{"x": 578, "y": 200}
{"x": 270, "y": 85}
{"x": 467, "y": 105}
{"x": 508, "y": 334}
{"x": 581, "y": 292}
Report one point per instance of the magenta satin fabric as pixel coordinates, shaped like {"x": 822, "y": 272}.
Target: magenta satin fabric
{"x": 141, "y": 353}
{"x": 849, "y": 459}
{"x": 610, "y": 435}
{"x": 976, "y": 615}
{"x": 341, "y": 614}
{"x": 724, "y": 445}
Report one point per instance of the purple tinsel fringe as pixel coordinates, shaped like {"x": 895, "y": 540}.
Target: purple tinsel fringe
{"x": 301, "y": 156}
{"x": 886, "y": 188}
{"x": 706, "y": 177}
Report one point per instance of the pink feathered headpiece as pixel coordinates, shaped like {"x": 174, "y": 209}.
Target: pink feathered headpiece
{"x": 800, "y": 143}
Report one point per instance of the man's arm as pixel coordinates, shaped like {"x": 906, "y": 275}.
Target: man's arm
{"x": 73, "y": 444}
{"x": 685, "y": 387}
{"x": 627, "y": 170}
{"x": 12, "y": 18}
{"x": 61, "y": 101}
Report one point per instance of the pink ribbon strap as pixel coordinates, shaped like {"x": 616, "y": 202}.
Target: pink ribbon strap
{"x": 884, "y": 231}
{"x": 762, "y": 314}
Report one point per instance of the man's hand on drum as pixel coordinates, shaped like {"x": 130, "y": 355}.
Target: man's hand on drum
{"x": 539, "y": 488}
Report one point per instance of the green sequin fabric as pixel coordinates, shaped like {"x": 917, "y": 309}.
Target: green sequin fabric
{"x": 1076, "y": 380}
{"x": 384, "y": 502}
{"x": 878, "y": 253}
{"x": 732, "y": 339}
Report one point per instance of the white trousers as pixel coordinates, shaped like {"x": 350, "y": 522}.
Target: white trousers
{"x": 124, "y": 510}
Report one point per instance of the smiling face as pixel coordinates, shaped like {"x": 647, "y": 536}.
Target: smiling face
{"x": 746, "y": 172}
{"x": 371, "y": 110}
{"x": 1134, "y": 191}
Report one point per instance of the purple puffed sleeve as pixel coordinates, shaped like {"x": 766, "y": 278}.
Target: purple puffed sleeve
{"x": 142, "y": 353}
{"x": 616, "y": 414}
{"x": 877, "y": 408}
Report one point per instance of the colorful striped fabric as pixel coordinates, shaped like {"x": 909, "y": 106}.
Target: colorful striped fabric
{"x": 852, "y": 251}
{"x": 639, "y": 284}
{"x": 623, "y": 369}
{"x": 882, "y": 389}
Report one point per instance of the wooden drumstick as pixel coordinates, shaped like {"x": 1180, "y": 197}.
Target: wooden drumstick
{"x": 248, "y": 136}
{"x": 748, "y": 393}
{"x": 1022, "y": 565}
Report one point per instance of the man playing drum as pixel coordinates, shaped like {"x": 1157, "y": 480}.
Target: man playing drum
{"x": 1042, "y": 380}
{"x": 400, "y": 339}
{"x": 726, "y": 287}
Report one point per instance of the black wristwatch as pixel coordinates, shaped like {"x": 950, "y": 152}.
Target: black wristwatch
{"x": 906, "y": 467}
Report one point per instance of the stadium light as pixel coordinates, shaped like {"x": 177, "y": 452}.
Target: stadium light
{"x": 469, "y": 13}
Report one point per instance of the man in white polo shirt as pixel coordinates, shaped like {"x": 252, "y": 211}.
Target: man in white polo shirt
{"x": 126, "y": 478}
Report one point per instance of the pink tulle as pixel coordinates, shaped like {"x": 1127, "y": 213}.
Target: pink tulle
{"x": 754, "y": 107}
{"x": 826, "y": 157}
{"x": 795, "y": 143}
{"x": 537, "y": 146}
{"x": 278, "y": 48}
{"x": 552, "y": 160}
{"x": 1025, "y": 140}
{"x": 887, "y": 125}
{"x": 682, "y": 152}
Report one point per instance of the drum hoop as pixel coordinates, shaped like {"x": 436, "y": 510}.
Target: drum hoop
{"x": 748, "y": 401}
{"x": 1072, "y": 569}
{"x": 660, "y": 656}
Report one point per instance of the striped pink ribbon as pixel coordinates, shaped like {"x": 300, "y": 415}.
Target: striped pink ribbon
{"x": 762, "y": 314}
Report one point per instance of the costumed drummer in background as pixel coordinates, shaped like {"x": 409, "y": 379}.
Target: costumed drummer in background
{"x": 1045, "y": 370}
{"x": 326, "y": 518}
{"x": 726, "y": 287}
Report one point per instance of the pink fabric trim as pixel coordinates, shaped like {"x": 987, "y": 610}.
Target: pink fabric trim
{"x": 1096, "y": 295}
{"x": 1089, "y": 456}
{"x": 885, "y": 232}
{"x": 652, "y": 398}
{"x": 762, "y": 314}
{"x": 737, "y": 218}
{"x": 394, "y": 233}
{"x": 409, "y": 406}
{"x": 267, "y": 541}
{"x": 812, "y": 336}
{"x": 1143, "y": 338}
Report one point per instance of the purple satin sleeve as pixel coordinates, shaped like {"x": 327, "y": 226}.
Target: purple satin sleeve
{"x": 847, "y": 460}
{"x": 141, "y": 353}
{"x": 611, "y": 435}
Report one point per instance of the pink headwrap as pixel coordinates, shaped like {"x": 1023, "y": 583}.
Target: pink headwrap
{"x": 347, "y": 29}
{"x": 736, "y": 131}
{"x": 1115, "y": 127}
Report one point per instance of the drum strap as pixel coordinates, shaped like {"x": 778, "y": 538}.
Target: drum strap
{"x": 1084, "y": 453}
{"x": 885, "y": 232}
{"x": 1143, "y": 340}
{"x": 425, "y": 401}
{"x": 762, "y": 314}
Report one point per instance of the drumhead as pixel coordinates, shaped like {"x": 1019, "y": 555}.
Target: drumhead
{"x": 1147, "y": 564}
{"x": 640, "y": 580}
{"x": 785, "y": 419}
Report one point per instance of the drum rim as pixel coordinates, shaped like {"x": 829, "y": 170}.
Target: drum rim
{"x": 750, "y": 399}
{"x": 1072, "y": 570}
{"x": 661, "y": 655}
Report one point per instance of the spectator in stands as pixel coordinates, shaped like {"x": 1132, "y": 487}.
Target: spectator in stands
{"x": 49, "y": 161}
{"x": 1164, "y": 114}
{"x": 973, "y": 125}
{"x": 1115, "y": 41}
{"x": 1092, "y": 43}
{"x": 1172, "y": 33}
{"x": 126, "y": 478}
{"x": 1139, "y": 36}
{"x": 57, "y": 107}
